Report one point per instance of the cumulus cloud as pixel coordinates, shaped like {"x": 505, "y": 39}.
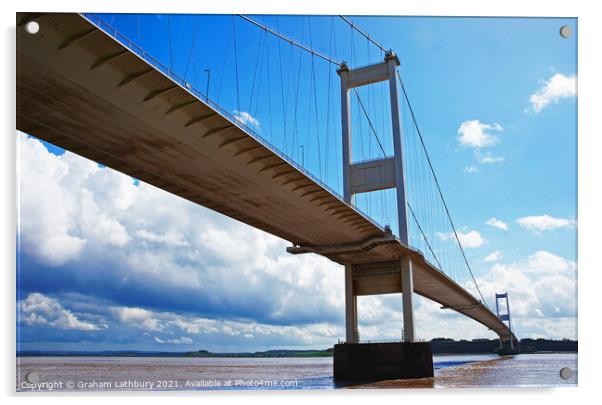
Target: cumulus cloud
{"x": 470, "y": 239}
{"x": 550, "y": 328}
{"x": 474, "y": 134}
{"x": 496, "y": 223}
{"x": 200, "y": 329}
{"x": 138, "y": 318}
{"x": 553, "y": 90}
{"x": 150, "y": 249}
{"x": 173, "y": 238}
{"x": 178, "y": 341}
{"x": 493, "y": 256}
{"x": 170, "y": 323}
{"x": 541, "y": 288}
{"x": 58, "y": 213}
{"x": 246, "y": 119}
{"x": 380, "y": 317}
{"x": 487, "y": 158}
{"x": 541, "y": 223}
{"x": 471, "y": 169}
{"x": 183, "y": 271}
{"x": 38, "y": 309}
{"x": 95, "y": 224}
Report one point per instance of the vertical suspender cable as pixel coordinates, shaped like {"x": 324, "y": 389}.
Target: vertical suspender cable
{"x": 236, "y": 64}
{"x": 259, "y": 48}
{"x": 170, "y": 43}
{"x": 192, "y": 47}
{"x": 315, "y": 86}
{"x": 282, "y": 88}
{"x": 439, "y": 188}
{"x": 267, "y": 50}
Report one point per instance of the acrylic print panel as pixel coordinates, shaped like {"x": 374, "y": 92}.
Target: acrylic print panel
{"x": 273, "y": 202}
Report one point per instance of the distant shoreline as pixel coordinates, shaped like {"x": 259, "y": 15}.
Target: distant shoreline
{"x": 218, "y": 356}
{"x": 202, "y": 354}
{"x": 441, "y": 346}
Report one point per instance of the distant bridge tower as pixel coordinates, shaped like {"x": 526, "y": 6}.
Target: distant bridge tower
{"x": 505, "y": 317}
{"x": 376, "y": 175}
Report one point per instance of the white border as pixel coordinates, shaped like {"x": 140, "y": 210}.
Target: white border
{"x": 590, "y": 174}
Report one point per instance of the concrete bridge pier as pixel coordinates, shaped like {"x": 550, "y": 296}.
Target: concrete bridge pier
{"x": 369, "y": 362}
{"x": 508, "y": 345}
{"x": 356, "y": 362}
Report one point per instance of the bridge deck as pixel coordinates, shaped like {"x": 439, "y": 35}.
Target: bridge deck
{"x": 80, "y": 89}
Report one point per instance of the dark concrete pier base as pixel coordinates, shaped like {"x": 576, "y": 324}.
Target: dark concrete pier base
{"x": 369, "y": 362}
{"x": 506, "y": 348}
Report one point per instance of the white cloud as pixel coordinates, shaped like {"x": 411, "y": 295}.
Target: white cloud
{"x": 48, "y": 226}
{"x": 172, "y": 323}
{"x": 493, "y": 256}
{"x": 546, "y": 262}
{"x": 541, "y": 288}
{"x": 172, "y": 238}
{"x": 557, "y": 88}
{"x": 468, "y": 240}
{"x": 496, "y": 223}
{"x": 97, "y": 225}
{"x": 152, "y": 246}
{"x": 139, "y": 318}
{"x": 550, "y": 328}
{"x": 246, "y": 119}
{"x": 184, "y": 250}
{"x": 533, "y": 295}
{"x": 487, "y": 158}
{"x": 541, "y": 223}
{"x": 38, "y": 309}
{"x": 65, "y": 205}
{"x": 178, "y": 341}
{"x": 471, "y": 169}
{"x": 474, "y": 134}
{"x": 380, "y": 318}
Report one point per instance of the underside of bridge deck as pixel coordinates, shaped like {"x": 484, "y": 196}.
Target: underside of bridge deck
{"x": 80, "y": 89}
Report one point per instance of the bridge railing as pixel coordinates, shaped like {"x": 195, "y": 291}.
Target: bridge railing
{"x": 132, "y": 46}
{"x": 431, "y": 233}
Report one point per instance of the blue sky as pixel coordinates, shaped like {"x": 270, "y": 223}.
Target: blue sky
{"x": 495, "y": 100}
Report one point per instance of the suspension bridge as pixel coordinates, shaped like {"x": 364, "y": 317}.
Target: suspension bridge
{"x": 264, "y": 155}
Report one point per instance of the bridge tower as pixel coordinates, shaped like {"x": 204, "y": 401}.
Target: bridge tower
{"x": 355, "y": 360}
{"x": 504, "y": 317}
{"x": 376, "y": 175}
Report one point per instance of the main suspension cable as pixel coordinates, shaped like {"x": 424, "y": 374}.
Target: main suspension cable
{"x": 405, "y": 94}
{"x": 369, "y": 122}
{"x": 362, "y": 32}
{"x": 290, "y": 40}
{"x": 424, "y": 236}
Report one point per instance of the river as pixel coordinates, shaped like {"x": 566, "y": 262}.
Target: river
{"x": 154, "y": 373}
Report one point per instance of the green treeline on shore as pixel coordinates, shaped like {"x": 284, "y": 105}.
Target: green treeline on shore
{"x": 450, "y": 346}
{"x": 267, "y": 353}
{"x": 440, "y": 346}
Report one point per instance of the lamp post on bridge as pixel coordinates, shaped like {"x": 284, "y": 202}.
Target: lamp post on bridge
{"x": 208, "y": 71}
